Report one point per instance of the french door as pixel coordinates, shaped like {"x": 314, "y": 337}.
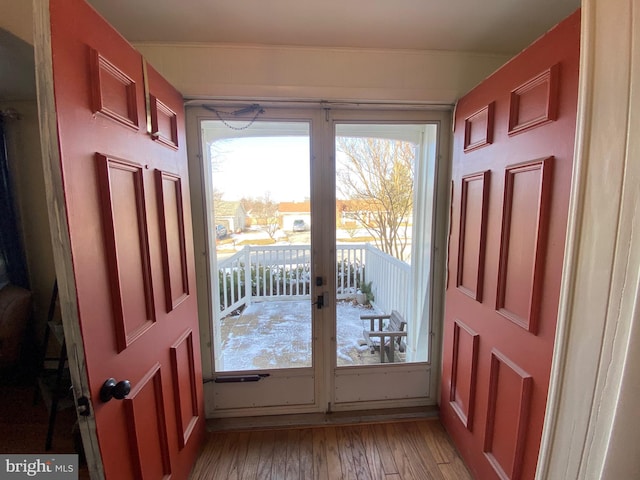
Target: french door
{"x": 291, "y": 248}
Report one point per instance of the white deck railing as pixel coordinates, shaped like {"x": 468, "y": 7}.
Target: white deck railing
{"x": 283, "y": 272}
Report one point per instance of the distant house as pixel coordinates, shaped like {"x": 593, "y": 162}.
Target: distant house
{"x": 230, "y": 214}
{"x": 351, "y": 213}
{"x": 292, "y": 211}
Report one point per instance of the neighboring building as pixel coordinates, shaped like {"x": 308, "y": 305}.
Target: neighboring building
{"x": 348, "y": 213}
{"x": 230, "y": 214}
{"x": 292, "y": 211}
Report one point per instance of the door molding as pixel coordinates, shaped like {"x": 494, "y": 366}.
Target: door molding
{"x": 594, "y": 375}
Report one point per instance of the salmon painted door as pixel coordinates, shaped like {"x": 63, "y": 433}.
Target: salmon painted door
{"x": 125, "y": 189}
{"x": 513, "y": 153}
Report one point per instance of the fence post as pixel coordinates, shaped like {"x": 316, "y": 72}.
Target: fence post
{"x": 248, "y": 280}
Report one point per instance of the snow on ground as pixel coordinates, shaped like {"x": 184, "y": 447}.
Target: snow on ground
{"x": 278, "y": 335}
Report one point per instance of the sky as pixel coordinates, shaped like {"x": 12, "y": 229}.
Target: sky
{"x": 251, "y": 167}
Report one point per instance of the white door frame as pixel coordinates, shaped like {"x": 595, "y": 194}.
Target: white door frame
{"x": 325, "y": 371}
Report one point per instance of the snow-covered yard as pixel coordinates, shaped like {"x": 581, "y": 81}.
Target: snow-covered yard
{"x": 277, "y": 334}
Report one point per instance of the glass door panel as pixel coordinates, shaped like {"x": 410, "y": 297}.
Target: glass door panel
{"x": 260, "y": 203}
{"x": 380, "y": 184}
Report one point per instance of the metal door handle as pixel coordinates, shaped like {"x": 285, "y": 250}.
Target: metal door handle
{"x": 110, "y": 389}
{"x": 319, "y": 303}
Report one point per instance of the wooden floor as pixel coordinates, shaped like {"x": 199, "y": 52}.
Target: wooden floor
{"x": 24, "y": 424}
{"x": 401, "y": 450}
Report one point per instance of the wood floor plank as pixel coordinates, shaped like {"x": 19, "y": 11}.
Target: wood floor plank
{"x": 345, "y": 450}
{"x": 456, "y": 470}
{"x": 306, "y": 454}
{"x": 232, "y": 458}
{"x": 438, "y": 441}
{"x": 416, "y": 450}
{"x": 279, "y": 455}
{"x": 359, "y": 454}
{"x": 397, "y": 451}
{"x": 334, "y": 467}
{"x": 265, "y": 460}
{"x": 371, "y": 451}
{"x": 209, "y": 457}
{"x": 293, "y": 457}
{"x": 320, "y": 465}
{"x": 382, "y": 443}
{"x": 252, "y": 459}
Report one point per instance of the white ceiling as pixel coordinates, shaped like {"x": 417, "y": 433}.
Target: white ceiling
{"x": 494, "y": 26}
{"x": 487, "y": 26}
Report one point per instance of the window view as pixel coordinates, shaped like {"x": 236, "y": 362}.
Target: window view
{"x": 380, "y": 180}
{"x": 261, "y": 212}
{"x": 262, "y": 216}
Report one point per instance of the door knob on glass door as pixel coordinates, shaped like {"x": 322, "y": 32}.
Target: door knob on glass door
{"x": 110, "y": 389}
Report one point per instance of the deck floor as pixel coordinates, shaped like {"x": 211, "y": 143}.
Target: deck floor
{"x": 277, "y": 334}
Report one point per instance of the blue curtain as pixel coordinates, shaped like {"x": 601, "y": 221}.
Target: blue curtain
{"x": 10, "y": 243}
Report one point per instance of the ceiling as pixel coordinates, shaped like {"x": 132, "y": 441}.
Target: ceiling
{"x": 486, "y": 26}
{"x": 495, "y": 26}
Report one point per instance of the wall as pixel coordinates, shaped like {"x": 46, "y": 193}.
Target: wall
{"x": 25, "y": 159}
{"x": 294, "y": 73}
{"x": 17, "y": 18}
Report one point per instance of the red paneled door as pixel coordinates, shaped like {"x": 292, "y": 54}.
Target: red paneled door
{"x": 513, "y": 153}
{"x": 120, "y": 128}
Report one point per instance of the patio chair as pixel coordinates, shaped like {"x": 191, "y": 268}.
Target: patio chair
{"x": 386, "y": 333}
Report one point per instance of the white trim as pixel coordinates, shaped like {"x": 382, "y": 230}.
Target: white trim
{"x": 590, "y": 427}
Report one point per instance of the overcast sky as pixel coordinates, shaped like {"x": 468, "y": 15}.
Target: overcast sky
{"x": 251, "y": 167}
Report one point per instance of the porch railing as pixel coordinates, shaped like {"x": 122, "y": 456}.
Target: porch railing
{"x": 281, "y": 272}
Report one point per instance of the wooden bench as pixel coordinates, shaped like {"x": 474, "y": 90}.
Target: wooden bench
{"x": 390, "y": 332}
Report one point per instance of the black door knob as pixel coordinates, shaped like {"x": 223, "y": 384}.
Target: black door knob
{"x": 110, "y": 389}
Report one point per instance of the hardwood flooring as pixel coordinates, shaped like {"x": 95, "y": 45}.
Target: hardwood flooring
{"x": 399, "y": 450}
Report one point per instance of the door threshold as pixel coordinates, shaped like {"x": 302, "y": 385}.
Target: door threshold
{"x": 320, "y": 419}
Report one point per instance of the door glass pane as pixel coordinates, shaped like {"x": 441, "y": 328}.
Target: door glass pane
{"x": 261, "y": 221}
{"x": 382, "y": 223}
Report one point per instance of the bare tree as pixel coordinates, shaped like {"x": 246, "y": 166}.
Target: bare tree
{"x": 376, "y": 176}
{"x": 265, "y": 211}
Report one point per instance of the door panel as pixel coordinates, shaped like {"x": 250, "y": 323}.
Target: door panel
{"x": 126, "y": 200}
{"x": 259, "y": 207}
{"x": 513, "y": 152}
{"x": 473, "y": 232}
{"x": 385, "y": 184}
{"x": 522, "y": 241}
